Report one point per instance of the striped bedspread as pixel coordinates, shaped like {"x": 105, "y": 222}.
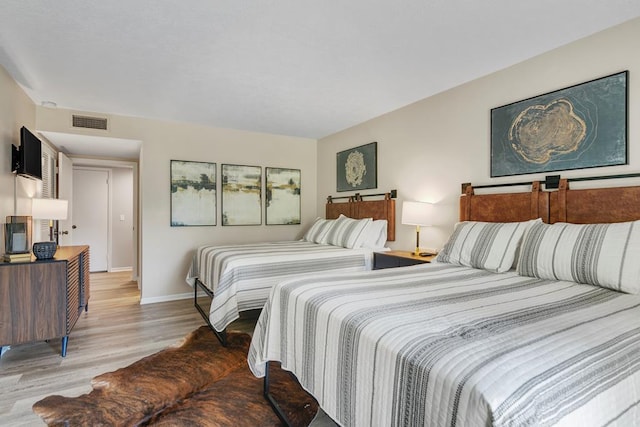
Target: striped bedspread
{"x": 441, "y": 345}
{"x": 241, "y": 276}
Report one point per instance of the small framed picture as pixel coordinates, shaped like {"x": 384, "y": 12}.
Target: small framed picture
{"x": 357, "y": 168}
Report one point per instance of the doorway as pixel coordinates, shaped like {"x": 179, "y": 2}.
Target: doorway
{"x": 123, "y": 253}
{"x": 90, "y": 205}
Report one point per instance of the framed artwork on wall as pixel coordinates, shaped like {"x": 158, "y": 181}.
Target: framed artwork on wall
{"x": 357, "y": 168}
{"x": 581, "y": 126}
{"x": 241, "y": 195}
{"x": 193, "y": 193}
{"x": 282, "y": 198}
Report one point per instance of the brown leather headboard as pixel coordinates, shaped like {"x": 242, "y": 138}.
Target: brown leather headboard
{"x": 582, "y": 206}
{"x": 594, "y": 205}
{"x": 504, "y": 207}
{"x": 357, "y": 208}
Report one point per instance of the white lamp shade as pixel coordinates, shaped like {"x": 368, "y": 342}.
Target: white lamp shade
{"x": 49, "y": 209}
{"x": 416, "y": 213}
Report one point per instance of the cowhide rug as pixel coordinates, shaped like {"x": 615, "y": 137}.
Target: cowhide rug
{"x": 198, "y": 383}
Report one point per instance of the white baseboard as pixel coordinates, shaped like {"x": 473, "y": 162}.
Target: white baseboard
{"x": 166, "y": 298}
{"x": 174, "y": 297}
{"x": 118, "y": 269}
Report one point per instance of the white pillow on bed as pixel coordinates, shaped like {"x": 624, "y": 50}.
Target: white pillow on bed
{"x": 491, "y": 246}
{"x": 375, "y": 234}
{"x": 347, "y": 232}
{"x": 319, "y": 230}
{"x": 606, "y": 255}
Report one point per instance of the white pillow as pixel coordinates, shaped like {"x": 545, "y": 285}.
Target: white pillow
{"x": 375, "y": 234}
{"x": 606, "y": 255}
{"x": 490, "y": 246}
{"x": 347, "y": 232}
{"x": 319, "y": 230}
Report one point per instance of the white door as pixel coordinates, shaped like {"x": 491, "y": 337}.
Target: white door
{"x": 91, "y": 214}
{"x": 65, "y": 192}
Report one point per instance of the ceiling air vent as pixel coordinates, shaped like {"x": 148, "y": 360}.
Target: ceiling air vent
{"x": 89, "y": 122}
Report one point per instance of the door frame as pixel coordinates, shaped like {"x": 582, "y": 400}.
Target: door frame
{"x": 104, "y": 163}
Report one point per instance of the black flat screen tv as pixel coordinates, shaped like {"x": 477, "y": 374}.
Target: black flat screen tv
{"x": 27, "y": 160}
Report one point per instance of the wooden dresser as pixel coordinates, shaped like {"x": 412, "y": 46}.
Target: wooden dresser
{"x": 43, "y": 299}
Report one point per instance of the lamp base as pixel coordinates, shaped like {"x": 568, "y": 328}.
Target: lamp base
{"x": 423, "y": 254}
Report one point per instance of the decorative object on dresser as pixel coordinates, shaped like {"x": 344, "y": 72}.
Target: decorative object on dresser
{"x": 17, "y": 235}
{"x": 44, "y": 250}
{"x": 417, "y": 213}
{"x": 23, "y": 257}
{"x": 357, "y": 168}
{"x": 581, "y": 126}
{"x": 391, "y": 259}
{"x": 43, "y": 299}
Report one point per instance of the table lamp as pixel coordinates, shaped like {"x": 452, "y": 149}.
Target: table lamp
{"x": 417, "y": 213}
{"x": 50, "y": 209}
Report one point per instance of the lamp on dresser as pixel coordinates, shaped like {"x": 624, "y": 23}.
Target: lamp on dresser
{"x": 417, "y": 213}
{"x": 52, "y": 210}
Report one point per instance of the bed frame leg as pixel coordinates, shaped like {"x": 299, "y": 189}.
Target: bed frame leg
{"x": 222, "y": 336}
{"x": 274, "y": 405}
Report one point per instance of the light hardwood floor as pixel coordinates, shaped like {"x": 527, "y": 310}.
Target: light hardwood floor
{"x": 115, "y": 332}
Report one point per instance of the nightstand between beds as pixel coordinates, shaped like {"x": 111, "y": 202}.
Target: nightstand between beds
{"x": 392, "y": 259}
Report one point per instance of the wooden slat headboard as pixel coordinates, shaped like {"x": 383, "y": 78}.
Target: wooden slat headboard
{"x": 358, "y": 209}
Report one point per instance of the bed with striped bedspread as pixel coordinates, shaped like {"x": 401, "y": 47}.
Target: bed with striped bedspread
{"x": 241, "y": 276}
{"x": 444, "y": 345}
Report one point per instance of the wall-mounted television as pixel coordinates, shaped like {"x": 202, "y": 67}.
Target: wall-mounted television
{"x": 27, "y": 160}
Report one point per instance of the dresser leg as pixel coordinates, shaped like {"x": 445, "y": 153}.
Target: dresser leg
{"x": 86, "y": 308}
{"x": 65, "y": 341}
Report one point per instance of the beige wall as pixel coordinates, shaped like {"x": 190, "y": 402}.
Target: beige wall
{"x": 16, "y": 110}
{"x": 427, "y": 149}
{"x": 122, "y": 226}
{"x": 166, "y": 251}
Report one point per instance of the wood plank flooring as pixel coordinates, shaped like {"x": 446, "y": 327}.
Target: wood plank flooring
{"x": 115, "y": 332}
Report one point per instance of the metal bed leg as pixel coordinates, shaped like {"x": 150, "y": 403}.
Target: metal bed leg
{"x": 222, "y": 336}
{"x": 274, "y": 405}
{"x": 65, "y": 341}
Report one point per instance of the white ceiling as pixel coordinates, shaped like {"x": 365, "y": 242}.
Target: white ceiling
{"x": 294, "y": 67}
